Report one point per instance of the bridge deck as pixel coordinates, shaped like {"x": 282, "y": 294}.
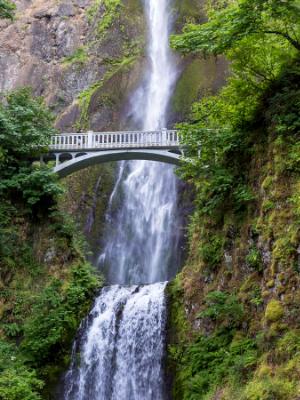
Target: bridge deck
{"x": 95, "y": 141}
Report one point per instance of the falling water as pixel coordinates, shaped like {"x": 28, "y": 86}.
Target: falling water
{"x": 121, "y": 343}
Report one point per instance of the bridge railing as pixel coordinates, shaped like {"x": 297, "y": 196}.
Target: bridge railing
{"x": 105, "y": 140}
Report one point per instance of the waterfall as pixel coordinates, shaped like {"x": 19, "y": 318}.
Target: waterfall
{"x": 125, "y": 324}
{"x": 121, "y": 343}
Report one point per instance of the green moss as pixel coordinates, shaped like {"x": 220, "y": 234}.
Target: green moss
{"x": 270, "y": 284}
{"x": 194, "y": 82}
{"x": 284, "y": 248}
{"x": 92, "y": 11}
{"x": 288, "y": 346}
{"x": 177, "y": 319}
{"x": 268, "y": 205}
{"x": 211, "y": 250}
{"x": 268, "y": 182}
{"x": 80, "y": 56}
{"x": 188, "y": 11}
{"x": 264, "y": 370}
{"x": 274, "y": 311}
{"x": 84, "y": 99}
{"x": 269, "y": 389}
{"x": 112, "y": 9}
{"x": 254, "y": 259}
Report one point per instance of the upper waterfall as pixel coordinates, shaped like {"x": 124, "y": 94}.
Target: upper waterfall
{"x": 141, "y": 242}
{"x": 150, "y": 102}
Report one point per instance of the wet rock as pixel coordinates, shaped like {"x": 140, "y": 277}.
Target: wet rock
{"x": 228, "y": 260}
{"x": 34, "y": 48}
{"x": 66, "y": 10}
{"x": 9, "y": 67}
{"x": 43, "y": 41}
{"x": 81, "y": 3}
{"x": 68, "y": 118}
{"x": 44, "y": 13}
{"x": 49, "y": 255}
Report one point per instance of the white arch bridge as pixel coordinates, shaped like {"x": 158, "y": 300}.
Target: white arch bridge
{"x": 74, "y": 151}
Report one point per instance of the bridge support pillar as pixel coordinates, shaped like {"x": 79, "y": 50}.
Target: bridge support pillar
{"x": 57, "y": 159}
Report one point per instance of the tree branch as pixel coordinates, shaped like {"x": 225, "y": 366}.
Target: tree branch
{"x": 292, "y": 41}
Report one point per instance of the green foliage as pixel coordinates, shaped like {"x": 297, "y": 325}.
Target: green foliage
{"x": 80, "y": 56}
{"x": 111, "y": 12}
{"x": 254, "y": 259}
{"x": 262, "y": 91}
{"x": 177, "y": 320}
{"x": 251, "y": 124}
{"x": 25, "y": 130}
{"x": 229, "y": 25}
{"x": 40, "y": 307}
{"x": 284, "y": 101}
{"x": 213, "y": 360}
{"x": 33, "y": 186}
{"x": 26, "y": 125}
{"x": 288, "y": 346}
{"x": 7, "y": 9}
{"x": 269, "y": 388}
{"x": 16, "y": 380}
{"x": 55, "y": 315}
{"x": 223, "y": 308}
{"x": 223, "y": 356}
{"x": 211, "y": 251}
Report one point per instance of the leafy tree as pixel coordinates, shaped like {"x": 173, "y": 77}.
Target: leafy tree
{"x": 7, "y": 9}
{"x": 261, "y": 41}
{"x": 26, "y": 126}
{"x": 228, "y": 25}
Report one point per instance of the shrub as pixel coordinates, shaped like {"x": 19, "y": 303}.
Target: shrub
{"x": 17, "y": 382}
{"x": 254, "y": 259}
{"x": 269, "y": 389}
{"x": 56, "y": 316}
{"x": 212, "y": 251}
{"x": 26, "y": 126}
{"x": 223, "y": 308}
{"x": 214, "y": 360}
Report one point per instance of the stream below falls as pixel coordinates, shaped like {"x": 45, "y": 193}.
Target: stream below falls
{"x": 120, "y": 347}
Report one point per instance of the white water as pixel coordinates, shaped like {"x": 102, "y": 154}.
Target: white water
{"x": 122, "y": 341}
{"x": 123, "y": 323}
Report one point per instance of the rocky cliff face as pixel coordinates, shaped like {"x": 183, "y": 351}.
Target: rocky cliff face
{"x": 77, "y": 55}
{"x": 85, "y": 57}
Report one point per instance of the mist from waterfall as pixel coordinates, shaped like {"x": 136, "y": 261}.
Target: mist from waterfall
{"x": 122, "y": 341}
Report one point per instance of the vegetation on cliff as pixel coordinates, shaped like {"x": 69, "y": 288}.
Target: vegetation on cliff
{"x": 7, "y": 9}
{"x": 234, "y": 308}
{"x": 46, "y": 285}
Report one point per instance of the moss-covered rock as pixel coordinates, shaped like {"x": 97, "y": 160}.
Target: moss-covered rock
{"x": 274, "y": 311}
{"x": 197, "y": 78}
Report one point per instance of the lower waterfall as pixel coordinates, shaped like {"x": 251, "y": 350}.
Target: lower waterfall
{"x": 121, "y": 346}
{"x": 120, "y": 350}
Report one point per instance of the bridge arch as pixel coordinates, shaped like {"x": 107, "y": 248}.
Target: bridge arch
{"x": 77, "y": 163}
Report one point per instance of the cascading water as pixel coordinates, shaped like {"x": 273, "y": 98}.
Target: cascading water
{"x": 122, "y": 341}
